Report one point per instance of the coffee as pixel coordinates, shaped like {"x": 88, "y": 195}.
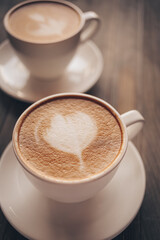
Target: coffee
{"x": 43, "y": 22}
{"x": 69, "y": 138}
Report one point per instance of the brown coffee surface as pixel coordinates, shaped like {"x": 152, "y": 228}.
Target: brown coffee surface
{"x": 43, "y": 22}
{"x": 69, "y": 138}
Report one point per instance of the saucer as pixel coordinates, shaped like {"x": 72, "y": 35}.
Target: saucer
{"x": 102, "y": 217}
{"x": 81, "y": 74}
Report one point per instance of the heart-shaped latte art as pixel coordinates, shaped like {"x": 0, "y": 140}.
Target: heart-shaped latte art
{"x": 71, "y": 133}
{"x": 46, "y": 25}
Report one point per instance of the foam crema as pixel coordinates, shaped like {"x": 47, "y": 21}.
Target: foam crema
{"x": 44, "y": 22}
{"x": 69, "y": 138}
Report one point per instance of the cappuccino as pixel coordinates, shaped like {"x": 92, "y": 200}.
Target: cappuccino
{"x": 69, "y": 138}
{"x": 43, "y": 22}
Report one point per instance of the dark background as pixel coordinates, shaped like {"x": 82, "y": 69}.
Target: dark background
{"x": 129, "y": 39}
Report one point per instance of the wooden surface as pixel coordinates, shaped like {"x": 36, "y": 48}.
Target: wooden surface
{"x": 129, "y": 39}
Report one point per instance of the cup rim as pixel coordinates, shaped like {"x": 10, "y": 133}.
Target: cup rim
{"x": 94, "y": 177}
{"x": 27, "y": 2}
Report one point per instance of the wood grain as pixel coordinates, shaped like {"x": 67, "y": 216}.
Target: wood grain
{"x": 129, "y": 39}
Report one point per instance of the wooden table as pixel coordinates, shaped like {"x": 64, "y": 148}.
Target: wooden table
{"x": 129, "y": 39}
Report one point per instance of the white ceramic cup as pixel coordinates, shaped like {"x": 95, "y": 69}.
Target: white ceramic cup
{"x": 49, "y": 60}
{"x": 80, "y": 190}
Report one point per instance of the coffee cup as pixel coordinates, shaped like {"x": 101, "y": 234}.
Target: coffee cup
{"x": 70, "y": 145}
{"x": 46, "y": 34}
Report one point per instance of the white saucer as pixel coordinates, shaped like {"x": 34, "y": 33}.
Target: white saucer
{"x": 102, "y": 217}
{"x": 81, "y": 74}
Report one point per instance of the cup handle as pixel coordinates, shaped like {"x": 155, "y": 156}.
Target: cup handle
{"x": 134, "y": 122}
{"x": 89, "y": 31}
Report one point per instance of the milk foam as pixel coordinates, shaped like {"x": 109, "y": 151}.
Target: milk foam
{"x": 46, "y": 25}
{"x": 71, "y": 133}
{"x": 69, "y": 138}
{"x": 44, "y": 22}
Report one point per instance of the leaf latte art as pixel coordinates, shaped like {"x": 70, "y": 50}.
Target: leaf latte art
{"x": 69, "y": 138}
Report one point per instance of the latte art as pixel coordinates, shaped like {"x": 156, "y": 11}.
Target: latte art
{"x": 71, "y": 133}
{"x": 46, "y": 25}
{"x": 69, "y": 138}
{"x": 44, "y": 22}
